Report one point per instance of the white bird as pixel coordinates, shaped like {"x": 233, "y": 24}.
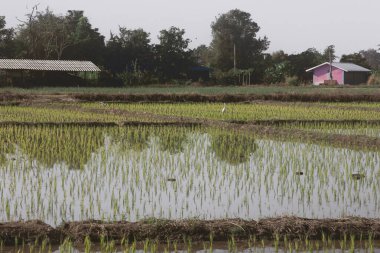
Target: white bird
{"x": 224, "y": 108}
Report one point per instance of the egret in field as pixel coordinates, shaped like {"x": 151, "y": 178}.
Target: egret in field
{"x": 224, "y": 108}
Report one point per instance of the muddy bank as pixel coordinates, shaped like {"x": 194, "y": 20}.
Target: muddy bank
{"x": 317, "y": 97}
{"x": 177, "y": 98}
{"x": 28, "y": 231}
{"x": 197, "y": 230}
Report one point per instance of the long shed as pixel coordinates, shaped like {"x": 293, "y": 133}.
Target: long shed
{"x": 342, "y": 73}
{"x": 22, "y": 70}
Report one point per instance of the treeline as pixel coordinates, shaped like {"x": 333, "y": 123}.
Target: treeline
{"x": 236, "y": 54}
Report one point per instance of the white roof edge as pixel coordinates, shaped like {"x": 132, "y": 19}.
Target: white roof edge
{"x": 336, "y": 65}
{"x": 310, "y": 69}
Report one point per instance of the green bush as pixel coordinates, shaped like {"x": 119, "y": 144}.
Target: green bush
{"x": 137, "y": 78}
{"x": 233, "y": 77}
{"x": 276, "y": 74}
{"x": 292, "y": 80}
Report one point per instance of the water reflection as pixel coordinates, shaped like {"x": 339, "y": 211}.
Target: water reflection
{"x": 233, "y": 148}
{"x": 75, "y": 145}
{"x": 122, "y": 174}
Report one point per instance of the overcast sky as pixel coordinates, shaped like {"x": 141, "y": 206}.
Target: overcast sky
{"x": 290, "y": 25}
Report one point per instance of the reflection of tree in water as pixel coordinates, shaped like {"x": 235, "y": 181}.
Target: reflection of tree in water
{"x": 172, "y": 139}
{"x": 49, "y": 145}
{"x": 6, "y": 147}
{"x": 74, "y": 145}
{"x": 131, "y": 138}
{"x": 234, "y": 147}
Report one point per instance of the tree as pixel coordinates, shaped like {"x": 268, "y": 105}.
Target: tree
{"x": 299, "y": 63}
{"x": 173, "y": 56}
{"x": 129, "y": 50}
{"x": 87, "y": 42}
{"x": 282, "y": 66}
{"x": 202, "y": 55}
{"x": 6, "y": 40}
{"x": 27, "y": 36}
{"x": 279, "y": 56}
{"x": 329, "y": 54}
{"x": 356, "y": 58}
{"x": 277, "y": 73}
{"x": 44, "y": 35}
{"x": 234, "y": 42}
{"x": 372, "y": 56}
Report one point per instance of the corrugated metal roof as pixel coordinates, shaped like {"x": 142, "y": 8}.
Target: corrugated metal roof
{"x": 48, "y": 65}
{"x": 347, "y": 67}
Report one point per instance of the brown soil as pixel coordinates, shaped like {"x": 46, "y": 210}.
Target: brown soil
{"x": 28, "y": 231}
{"x": 197, "y": 230}
{"x": 8, "y": 97}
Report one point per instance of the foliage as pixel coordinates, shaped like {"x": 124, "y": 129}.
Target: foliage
{"x": 299, "y": 63}
{"x": 236, "y": 31}
{"x": 281, "y": 65}
{"x": 129, "y": 51}
{"x": 172, "y": 55}
{"x": 374, "y": 78}
{"x": 137, "y": 78}
{"x": 236, "y": 53}
{"x": 355, "y": 58}
{"x": 44, "y": 35}
{"x": 329, "y": 54}
{"x": 87, "y": 42}
{"x": 234, "y": 77}
{"x": 372, "y": 56}
{"x": 292, "y": 80}
{"x": 6, "y": 37}
{"x": 201, "y": 55}
{"x": 276, "y": 73}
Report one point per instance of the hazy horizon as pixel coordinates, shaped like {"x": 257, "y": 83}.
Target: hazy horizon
{"x": 292, "y": 26}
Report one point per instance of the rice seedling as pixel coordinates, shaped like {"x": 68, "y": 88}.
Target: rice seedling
{"x": 111, "y": 173}
{"x": 248, "y": 112}
{"x": 122, "y": 174}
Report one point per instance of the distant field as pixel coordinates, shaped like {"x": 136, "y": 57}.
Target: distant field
{"x": 209, "y": 90}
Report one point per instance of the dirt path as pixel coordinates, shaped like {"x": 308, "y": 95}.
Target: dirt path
{"x": 236, "y": 98}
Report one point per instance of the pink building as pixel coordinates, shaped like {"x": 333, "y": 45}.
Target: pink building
{"x": 343, "y": 73}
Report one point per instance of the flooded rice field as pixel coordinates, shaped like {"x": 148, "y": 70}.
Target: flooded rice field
{"x": 69, "y": 173}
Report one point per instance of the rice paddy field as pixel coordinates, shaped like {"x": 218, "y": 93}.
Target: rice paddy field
{"x": 101, "y": 177}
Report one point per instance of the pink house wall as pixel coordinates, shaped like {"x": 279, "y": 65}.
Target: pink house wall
{"x": 322, "y": 73}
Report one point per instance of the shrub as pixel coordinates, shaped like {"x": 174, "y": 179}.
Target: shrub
{"x": 292, "y": 80}
{"x": 374, "y": 78}
{"x": 137, "y": 78}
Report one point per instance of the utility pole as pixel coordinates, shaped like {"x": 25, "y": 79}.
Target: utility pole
{"x": 234, "y": 57}
{"x": 330, "y": 60}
